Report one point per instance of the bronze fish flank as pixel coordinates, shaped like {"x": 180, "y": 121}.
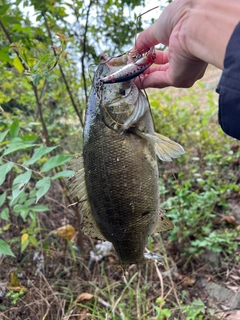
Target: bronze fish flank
{"x": 116, "y": 179}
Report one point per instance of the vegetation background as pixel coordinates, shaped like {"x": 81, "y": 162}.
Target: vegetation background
{"x": 48, "y": 269}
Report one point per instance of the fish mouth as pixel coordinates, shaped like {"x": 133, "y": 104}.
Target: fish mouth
{"x": 120, "y": 60}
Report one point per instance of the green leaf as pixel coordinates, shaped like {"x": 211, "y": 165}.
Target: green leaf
{"x": 38, "y": 153}
{"x": 55, "y": 161}
{"x": 5, "y": 249}
{"x": 43, "y": 186}
{"x": 23, "y": 210}
{"x": 4, "y": 56}
{"x": 40, "y": 208}
{"x": 36, "y": 79}
{"x": 29, "y": 202}
{"x": 17, "y": 144}
{"x": 14, "y": 129}
{"x": 24, "y": 245}
{"x": 3, "y": 135}
{"x": 4, "y": 8}
{"x": 4, "y": 169}
{"x": 19, "y": 183}
{"x": 34, "y": 68}
{"x": 6, "y": 19}
{"x": 5, "y": 214}
{"x": 3, "y": 198}
{"x": 33, "y": 241}
{"x": 30, "y": 138}
{"x": 63, "y": 174}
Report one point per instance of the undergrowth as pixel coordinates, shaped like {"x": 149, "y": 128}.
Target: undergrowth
{"x": 195, "y": 191}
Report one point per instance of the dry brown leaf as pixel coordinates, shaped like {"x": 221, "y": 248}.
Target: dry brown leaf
{"x": 66, "y": 232}
{"x": 188, "y": 282}
{"x": 235, "y": 146}
{"x": 17, "y": 289}
{"x": 230, "y": 220}
{"x": 235, "y": 315}
{"x": 57, "y": 49}
{"x": 84, "y": 297}
{"x": 234, "y": 277}
{"x": 61, "y": 36}
{"x": 14, "y": 283}
{"x": 233, "y": 288}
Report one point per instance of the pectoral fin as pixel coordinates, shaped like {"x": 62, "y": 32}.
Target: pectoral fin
{"x": 163, "y": 224}
{"x": 166, "y": 149}
{"x": 78, "y": 189}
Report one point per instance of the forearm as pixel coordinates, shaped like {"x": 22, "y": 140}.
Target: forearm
{"x": 208, "y": 28}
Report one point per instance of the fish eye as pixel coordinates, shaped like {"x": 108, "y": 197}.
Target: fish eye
{"x": 122, "y": 92}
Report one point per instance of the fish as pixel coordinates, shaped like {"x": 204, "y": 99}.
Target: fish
{"x": 116, "y": 180}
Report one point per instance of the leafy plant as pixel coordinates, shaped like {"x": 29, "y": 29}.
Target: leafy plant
{"x": 195, "y": 311}
{"x": 14, "y": 296}
{"x": 26, "y": 191}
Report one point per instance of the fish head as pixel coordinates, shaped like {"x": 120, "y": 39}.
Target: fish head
{"x": 116, "y": 101}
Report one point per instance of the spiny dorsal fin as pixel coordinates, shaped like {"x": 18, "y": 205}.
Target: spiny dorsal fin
{"x": 78, "y": 189}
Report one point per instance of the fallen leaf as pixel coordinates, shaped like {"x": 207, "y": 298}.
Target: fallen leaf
{"x": 235, "y": 315}
{"x": 230, "y": 220}
{"x": 233, "y": 288}
{"x": 13, "y": 280}
{"x": 17, "y": 289}
{"x": 84, "y": 297}
{"x": 66, "y": 232}
{"x": 234, "y": 277}
{"x": 14, "y": 284}
{"x": 235, "y": 146}
{"x": 187, "y": 281}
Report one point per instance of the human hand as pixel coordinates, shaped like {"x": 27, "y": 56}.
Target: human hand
{"x": 176, "y": 67}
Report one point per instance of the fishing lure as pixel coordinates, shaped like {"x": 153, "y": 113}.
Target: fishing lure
{"x": 131, "y": 70}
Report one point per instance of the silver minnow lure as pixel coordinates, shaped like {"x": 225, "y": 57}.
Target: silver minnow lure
{"x": 131, "y": 70}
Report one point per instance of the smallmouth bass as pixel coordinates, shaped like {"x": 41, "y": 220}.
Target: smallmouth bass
{"x": 116, "y": 180}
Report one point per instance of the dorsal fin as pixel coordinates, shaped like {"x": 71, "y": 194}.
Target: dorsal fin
{"x": 78, "y": 189}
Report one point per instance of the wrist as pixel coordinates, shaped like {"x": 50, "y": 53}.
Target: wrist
{"x": 208, "y": 27}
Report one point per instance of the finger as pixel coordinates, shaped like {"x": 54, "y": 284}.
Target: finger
{"x": 156, "y": 79}
{"x": 161, "y": 57}
{"x": 155, "y": 68}
{"x": 146, "y": 39}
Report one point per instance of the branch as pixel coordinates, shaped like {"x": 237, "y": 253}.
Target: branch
{"x": 84, "y": 48}
{"x": 62, "y": 73}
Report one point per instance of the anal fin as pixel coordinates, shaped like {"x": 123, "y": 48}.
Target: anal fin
{"x": 163, "y": 224}
{"x": 88, "y": 225}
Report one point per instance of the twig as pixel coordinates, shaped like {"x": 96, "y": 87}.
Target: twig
{"x": 107, "y": 305}
{"x": 62, "y": 73}
{"x": 162, "y": 287}
{"x": 170, "y": 276}
{"x": 84, "y": 48}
